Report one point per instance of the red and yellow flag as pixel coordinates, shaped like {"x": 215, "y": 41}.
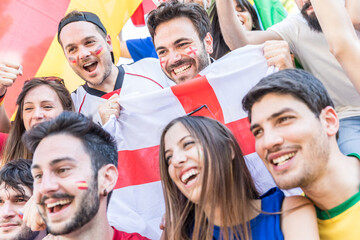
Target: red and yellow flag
{"x": 28, "y": 35}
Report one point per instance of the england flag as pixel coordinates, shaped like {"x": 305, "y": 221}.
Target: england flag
{"x": 137, "y": 203}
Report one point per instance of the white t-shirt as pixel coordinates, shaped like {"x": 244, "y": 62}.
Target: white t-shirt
{"x": 138, "y": 78}
{"x": 312, "y": 50}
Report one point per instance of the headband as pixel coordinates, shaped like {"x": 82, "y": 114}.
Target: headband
{"x": 86, "y": 16}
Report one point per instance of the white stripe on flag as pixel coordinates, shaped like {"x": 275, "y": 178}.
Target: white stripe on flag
{"x": 137, "y": 209}
{"x": 142, "y": 119}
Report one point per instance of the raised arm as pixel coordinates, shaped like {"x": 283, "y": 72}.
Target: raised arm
{"x": 341, "y": 36}
{"x": 234, "y": 34}
{"x": 4, "y": 120}
{"x": 298, "y": 219}
{"x": 8, "y": 74}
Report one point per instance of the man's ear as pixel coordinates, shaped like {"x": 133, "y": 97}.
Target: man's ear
{"x": 107, "y": 178}
{"x": 208, "y": 42}
{"x": 330, "y": 120}
{"x": 108, "y": 41}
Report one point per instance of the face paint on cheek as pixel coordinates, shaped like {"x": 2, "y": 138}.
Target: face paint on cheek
{"x": 99, "y": 50}
{"x": 162, "y": 63}
{"x": 82, "y": 185}
{"x": 72, "y": 60}
{"x": 20, "y": 214}
{"x": 192, "y": 51}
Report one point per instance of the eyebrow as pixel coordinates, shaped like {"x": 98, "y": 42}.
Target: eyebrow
{"x": 274, "y": 115}
{"x": 176, "y": 42}
{"x": 178, "y": 142}
{"x": 26, "y": 197}
{"x": 181, "y": 39}
{"x": 69, "y": 45}
{"x": 72, "y": 44}
{"x": 159, "y": 48}
{"x": 46, "y": 101}
{"x": 54, "y": 162}
{"x": 18, "y": 194}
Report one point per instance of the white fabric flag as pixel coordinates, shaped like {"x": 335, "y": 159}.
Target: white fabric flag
{"x": 137, "y": 203}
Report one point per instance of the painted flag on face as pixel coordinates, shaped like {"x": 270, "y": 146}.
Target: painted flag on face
{"x": 28, "y": 36}
{"x": 137, "y": 202}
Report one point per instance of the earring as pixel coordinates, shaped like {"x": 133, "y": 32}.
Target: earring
{"x": 105, "y": 193}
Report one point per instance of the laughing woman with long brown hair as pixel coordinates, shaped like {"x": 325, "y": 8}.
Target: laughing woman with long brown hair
{"x": 41, "y": 99}
{"x": 209, "y": 192}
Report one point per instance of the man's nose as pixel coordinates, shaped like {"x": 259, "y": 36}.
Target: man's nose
{"x": 174, "y": 56}
{"x": 7, "y": 210}
{"x": 84, "y": 52}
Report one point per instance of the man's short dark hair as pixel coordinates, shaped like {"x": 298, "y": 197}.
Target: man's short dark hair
{"x": 76, "y": 16}
{"x": 17, "y": 173}
{"x": 99, "y": 144}
{"x": 173, "y": 9}
{"x": 295, "y": 82}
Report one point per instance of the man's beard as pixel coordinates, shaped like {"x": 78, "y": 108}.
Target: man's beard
{"x": 311, "y": 19}
{"x": 24, "y": 234}
{"x": 27, "y": 235}
{"x": 89, "y": 207}
{"x": 203, "y": 62}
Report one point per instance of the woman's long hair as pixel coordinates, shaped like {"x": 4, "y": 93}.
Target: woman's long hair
{"x": 14, "y": 148}
{"x": 220, "y": 47}
{"x": 226, "y": 184}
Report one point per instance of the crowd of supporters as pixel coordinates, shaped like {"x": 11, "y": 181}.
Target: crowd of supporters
{"x": 296, "y": 175}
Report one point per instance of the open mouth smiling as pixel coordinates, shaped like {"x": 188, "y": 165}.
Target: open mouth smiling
{"x": 90, "y": 66}
{"x": 181, "y": 69}
{"x": 55, "y": 207}
{"x": 188, "y": 176}
{"x": 283, "y": 159}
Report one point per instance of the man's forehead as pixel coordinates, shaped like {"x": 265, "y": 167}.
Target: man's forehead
{"x": 270, "y": 104}
{"x": 58, "y": 147}
{"x": 179, "y": 26}
{"x": 77, "y": 31}
{"x": 9, "y": 191}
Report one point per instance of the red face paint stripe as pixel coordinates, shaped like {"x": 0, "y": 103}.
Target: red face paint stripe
{"x": 82, "y": 185}
{"x": 99, "y": 50}
{"x": 162, "y": 63}
{"x": 72, "y": 60}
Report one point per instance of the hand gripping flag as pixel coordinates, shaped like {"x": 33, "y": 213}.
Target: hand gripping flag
{"x": 28, "y": 35}
{"x": 137, "y": 203}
